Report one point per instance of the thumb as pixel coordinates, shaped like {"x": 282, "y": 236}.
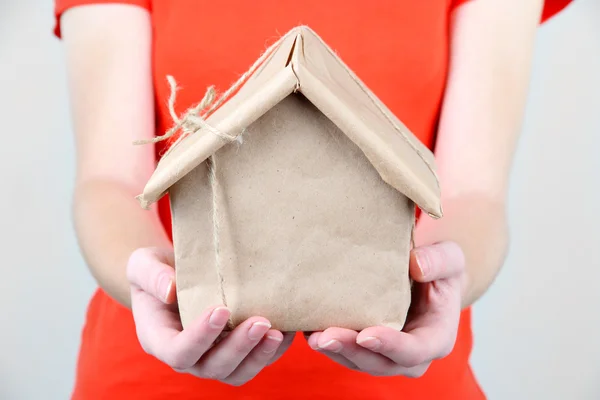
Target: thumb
{"x": 437, "y": 261}
{"x": 149, "y": 270}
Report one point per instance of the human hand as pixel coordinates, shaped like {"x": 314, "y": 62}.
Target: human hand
{"x": 432, "y": 324}
{"x": 234, "y": 360}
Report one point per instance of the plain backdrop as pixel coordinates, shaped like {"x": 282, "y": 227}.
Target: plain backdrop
{"x": 536, "y": 331}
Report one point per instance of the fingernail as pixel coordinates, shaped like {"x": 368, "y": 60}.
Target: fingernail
{"x": 219, "y": 317}
{"x": 275, "y": 338}
{"x": 371, "y": 343}
{"x": 165, "y": 284}
{"x": 169, "y": 289}
{"x": 272, "y": 343}
{"x": 333, "y": 346}
{"x": 258, "y": 330}
{"x": 313, "y": 340}
{"x": 422, "y": 261}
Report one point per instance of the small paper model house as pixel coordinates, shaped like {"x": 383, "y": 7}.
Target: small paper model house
{"x": 306, "y": 217}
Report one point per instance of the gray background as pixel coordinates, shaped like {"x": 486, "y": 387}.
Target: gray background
{"x": 536, "y": 331}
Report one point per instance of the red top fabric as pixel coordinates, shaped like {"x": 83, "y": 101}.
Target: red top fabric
{"x": 400, "y": 50}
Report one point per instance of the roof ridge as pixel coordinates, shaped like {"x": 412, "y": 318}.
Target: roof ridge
{"x": 368, "y": 93}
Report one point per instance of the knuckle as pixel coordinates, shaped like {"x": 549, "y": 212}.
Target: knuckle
{"x": 446, "y": 292}
{"x": 176, "y": 362}
{"x": 444, "y": 353}
{"x": 216, "y": 373}
{"x": 179, "y": 365}
{"x": 415, "y": 360}
{"x": 243, "y": 347}
{"x": 145, "y": 341}
{"x": 146, "y": 347}
{"x": 451, "y": 254}
{"x": 416, "y": 372}
{"x": 387, "y": 347}
{"x": 206, "y": 374}
{"x": 220, "y": 375}
{"x": 446, "y": 350}
{"x": 136, "y": 258}
{"x": 235, "y": 382}
{"x": 354, "y": 367}
{"x": 379, "y": 371}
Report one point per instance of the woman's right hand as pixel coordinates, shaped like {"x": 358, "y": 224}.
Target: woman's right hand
{"x": 234, "y": 360}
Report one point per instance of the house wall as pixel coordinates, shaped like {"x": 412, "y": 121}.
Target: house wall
{"x": 536, "y": 331}
{"x": 300, "y": 208}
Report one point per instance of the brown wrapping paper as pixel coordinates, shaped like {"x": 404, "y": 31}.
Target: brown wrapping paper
{"x": 306, "y": 218}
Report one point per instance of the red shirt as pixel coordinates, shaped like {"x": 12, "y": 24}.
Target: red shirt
{"x": 400, "y": 50}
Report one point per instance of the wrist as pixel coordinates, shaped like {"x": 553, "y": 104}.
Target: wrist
{"x": 110, "y": 226}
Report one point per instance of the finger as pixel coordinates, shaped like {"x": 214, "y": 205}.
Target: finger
{"x": 288, "y": 339}
{"x": 378, "y": 368}
{"x": 429, "y": 334}
{"x": 225, "y": 357}
{"x": 438, "y": 261}
{"x": 344, "y": 343}
{"x": 409, "y": 349}
{"x": 313, "y": 339}
{"x": 258, "y": 358}
{"x": 414, "y": 372}
{"x": 149, "y": 270}
{"x": 160, "y": 334}
{"x": 313, "y": 342}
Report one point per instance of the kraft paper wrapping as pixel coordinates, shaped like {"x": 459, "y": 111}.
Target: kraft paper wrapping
{"x": 315, "y": 200}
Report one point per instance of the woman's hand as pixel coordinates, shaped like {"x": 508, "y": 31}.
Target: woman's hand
{"x": 430, "y": 332}
{"x": 234, "y": 360}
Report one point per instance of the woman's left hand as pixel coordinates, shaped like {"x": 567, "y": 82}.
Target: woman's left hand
{"x": 430, "y": 331}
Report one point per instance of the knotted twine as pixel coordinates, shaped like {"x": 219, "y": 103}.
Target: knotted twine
{"x": 194, "y": 119}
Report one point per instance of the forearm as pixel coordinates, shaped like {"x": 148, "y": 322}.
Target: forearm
{"x": 490, "y": 58}
{"x": 110, "y": 225}
{"x": 111, "y": 93}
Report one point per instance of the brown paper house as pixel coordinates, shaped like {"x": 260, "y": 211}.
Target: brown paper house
{"x": 306, "y": 218}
